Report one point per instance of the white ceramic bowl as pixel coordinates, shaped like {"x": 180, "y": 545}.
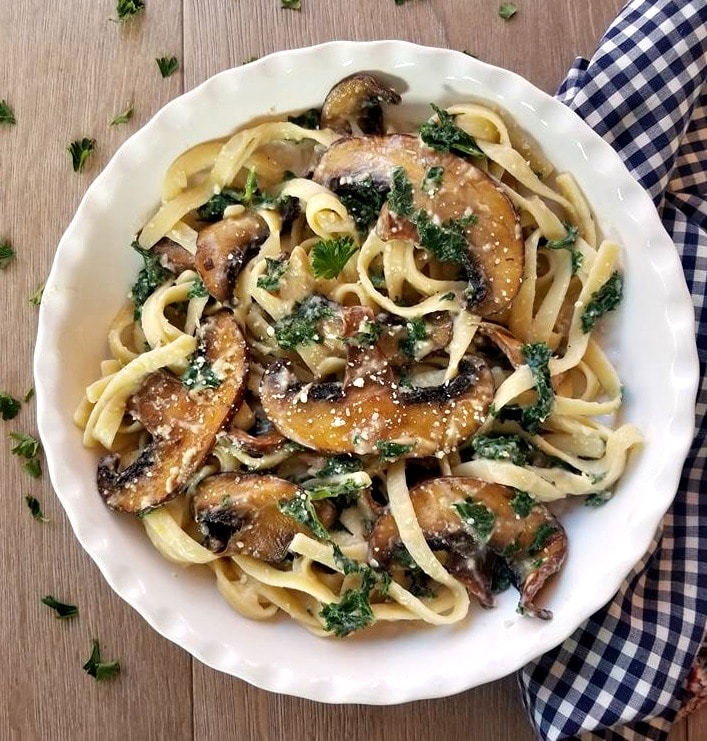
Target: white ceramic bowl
{"x": 652, "y": 344}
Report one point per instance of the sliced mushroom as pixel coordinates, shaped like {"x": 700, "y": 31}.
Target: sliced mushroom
{"x": 183, "y": 424}
{"x": 357, "y": 98}
{"x": 532, "y": 542}
{"x": 173, "y": 256}
{"x": 239, "y": 514}
{"x": 222, "y": 249}
{"x": 494, "y": 261}
{"x": 370, "y": 407}
{"x": 506, "y": 342}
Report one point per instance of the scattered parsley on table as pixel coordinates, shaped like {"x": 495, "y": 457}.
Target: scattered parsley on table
{"x": 80, "y": 150}
{"x": 507, "y": 10}
{"x": 167, "y": 65}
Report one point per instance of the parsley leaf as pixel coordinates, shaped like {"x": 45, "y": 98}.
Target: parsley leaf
{"x": 541, "y": 537}
{"x": 200, "y": 375}
{"x": 7, "y": 115}
{"x": 124, "y": 117}
{"x": 507, "y": 10}
{"x": 444, "y": 135}
{"x": 537, "y": 356}
{"x": 80, "y": 150}
{"x": 348, "y": 491}
{"x": 389, "y": 450}
{"x": 98, "y": 669}
{"x": 300, "y": 508}
{"x": 522, "y": 503}
{"x": 167, "y": 65}
{"x": 35, "y": 508}
{"x": 150, "y": 277}
{"x": 7, "y": 254}
{"x": 329, "y": 256}
{"x": 400, "y": 196}
{"x": 127, "y": 9}
{"x": 9, "y": 406}
{"x": 275, "y": 268}
{"x": 605, "y": 299}
{"x": 29, "y": 394}
{"x": 291, "y": 4}
{"x": 27, "y": 446}
{"x": 502, "y": 447}
{"x": 61, "y": 609}
{"x": 36, "y": 298}
{"x": 300, "y": 327}
{"x": 476, "y": 516}
{"x": 307, "y": 120}
{"x": 33, "y": 467}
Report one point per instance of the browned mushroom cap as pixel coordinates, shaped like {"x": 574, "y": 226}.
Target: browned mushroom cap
{"x": 173, "y": 256}
{"x": 373, "y": 410}
{"x": 494, "y": 262}
{"x": 527, "y": 537}
{"x": 358, "y": 98}
{"x": 222, "y": 248}
{"x": 506, "y": 342}
{"x": 183, "y": 423}
{"x": 239, "y": 514}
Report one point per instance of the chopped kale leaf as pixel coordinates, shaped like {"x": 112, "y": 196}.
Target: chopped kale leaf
{"x": 200, "y": 375}
{"x": 353, "y": 611}
{"x": 476, "y": 516}
{"x": 388, "y": 450}
{"x": 416, "y": 331}
{"x": 300, "y": 327}
{"x": 537, "y": 355}
{"x": 605, "y": 299}
{"x": 567, "y": 243}
{"x": 445, "y": 136}
{"x": 541, "y": 537}
{"x": 445, "y": 241}
{"x": 300, "y": 508}
{"x": 597, "y": 498}
{"x": 275, "y": 268}
{"x": 367, "y": 334}
{"x": 502, "y": 447}
{"x": 337, "y": 465}
{"x": 363, "y": 200}
{"x": 522, "y": 503}
{"x": 432, "y": 180}
{"x": 400, "y": 199}
{"x": 198, "y": 289}
{"x": 150, "y": 277}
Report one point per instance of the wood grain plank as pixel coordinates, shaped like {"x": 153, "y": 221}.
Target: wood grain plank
{"x": 67, "y": 70}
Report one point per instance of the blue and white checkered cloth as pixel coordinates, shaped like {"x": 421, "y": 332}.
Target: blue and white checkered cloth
{"x": 621, "y": 674}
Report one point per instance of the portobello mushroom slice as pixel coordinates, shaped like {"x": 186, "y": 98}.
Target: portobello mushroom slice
{"x": 370, "y": 412}
{"x": 478, "y": 523}
{"x": 239, "y": 514}
{"x": 173, "y": 256}
{"x": 183, "y": 423}
{"x": 222, "y": 250}
{"x": 493, "y": 262}
{"x": 359, "y": 98}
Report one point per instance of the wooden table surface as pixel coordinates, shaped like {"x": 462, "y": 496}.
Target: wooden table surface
{"x": 66, "y": 69}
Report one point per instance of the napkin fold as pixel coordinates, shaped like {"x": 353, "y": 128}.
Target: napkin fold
{"x": 622, "y": 674}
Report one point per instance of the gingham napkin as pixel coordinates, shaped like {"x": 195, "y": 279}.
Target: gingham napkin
{"x": 622, "y": 674}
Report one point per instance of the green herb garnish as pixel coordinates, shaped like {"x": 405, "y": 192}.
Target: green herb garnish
{"x": 567, "y": 243}
{"x": 522, "y": 503}
{"x": 537, "y": 356}
{"x": 291, "y": 4}
{"x": 337, "y": 465}
{"x": 502, "y": 447}
{"x": 400, "y": 199}
{"x": 363, "y": 200}
{"x": 597, "y": 498}
{"x": 250, "y": 59}
{"x": 127, "y": 9}
{"x": 446, "y": 241}
{"x": 167, "y": 65}
{"x": 300, "y": 327}
{"x": 329, "y": 256}
{"x": 507, "y": 10}
{"x": 124, "y": 117}
{"x": 98, "y": 669}
{"x": 300, "y": 508}
{"x": 36, "y": 298}
{"x": 7, "y": 115}
{"x": 353, "y": 611}
{"x": 198, "y": 289}
{"x": 80, "y": 150}
{"x": 150, "y": 277}
{"x": 307, "y": 120}
{"x": 7, "y": 254}
{"x": 275, "y": 268}
{"x": 416, "y": 331}
{"x": 444, "y": 135}
{"x": 476, "y": 516}
{"x": 389, "y": 450}
{"x": 200, "y": 375}
{"x": 35, "y": 508}
{"x": 33, "y": 467}
{"x": 367, "y": 334}
{"x": 61, "y": 609}
{"x": 432, "y": 180}
{"x": 605, "y": 299}
{"x": 27, "y": 446}
{"x": 347, "y": 490}
{"x": 9, "y": 406}
{"x": 541, "y": 537}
